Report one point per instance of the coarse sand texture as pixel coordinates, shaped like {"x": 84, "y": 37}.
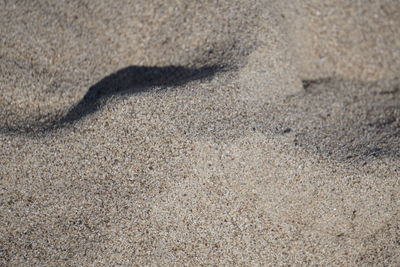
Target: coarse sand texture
{"x": 199, "y": 133}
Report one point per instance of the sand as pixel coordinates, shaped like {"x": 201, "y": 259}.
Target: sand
{"x": 181, "y": 133}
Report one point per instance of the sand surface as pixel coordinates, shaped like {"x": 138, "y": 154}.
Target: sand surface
{"x": 199, "y": 133}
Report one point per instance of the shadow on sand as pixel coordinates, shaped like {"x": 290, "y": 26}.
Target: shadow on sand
{"x": 126, "y": 81}
{"x": 131, "y": 80}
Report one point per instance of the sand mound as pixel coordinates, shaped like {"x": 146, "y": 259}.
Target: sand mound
{"x": 182, "y": 133}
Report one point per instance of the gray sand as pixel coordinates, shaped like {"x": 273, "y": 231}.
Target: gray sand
{"x": 175, "y": 133}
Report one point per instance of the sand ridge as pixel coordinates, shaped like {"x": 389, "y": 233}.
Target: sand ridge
{"x": 190, "y": 133}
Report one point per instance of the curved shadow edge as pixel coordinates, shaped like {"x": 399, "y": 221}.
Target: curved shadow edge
{"x": 127, "y": 81}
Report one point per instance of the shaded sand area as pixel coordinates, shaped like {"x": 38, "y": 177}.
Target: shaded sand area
{"x": 181, "y": 133}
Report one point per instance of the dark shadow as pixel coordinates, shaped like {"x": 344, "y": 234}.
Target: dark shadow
{"x": 129, "y": 80}
{"x": 309, "y": 83}
{"x": 135, "y": 79}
